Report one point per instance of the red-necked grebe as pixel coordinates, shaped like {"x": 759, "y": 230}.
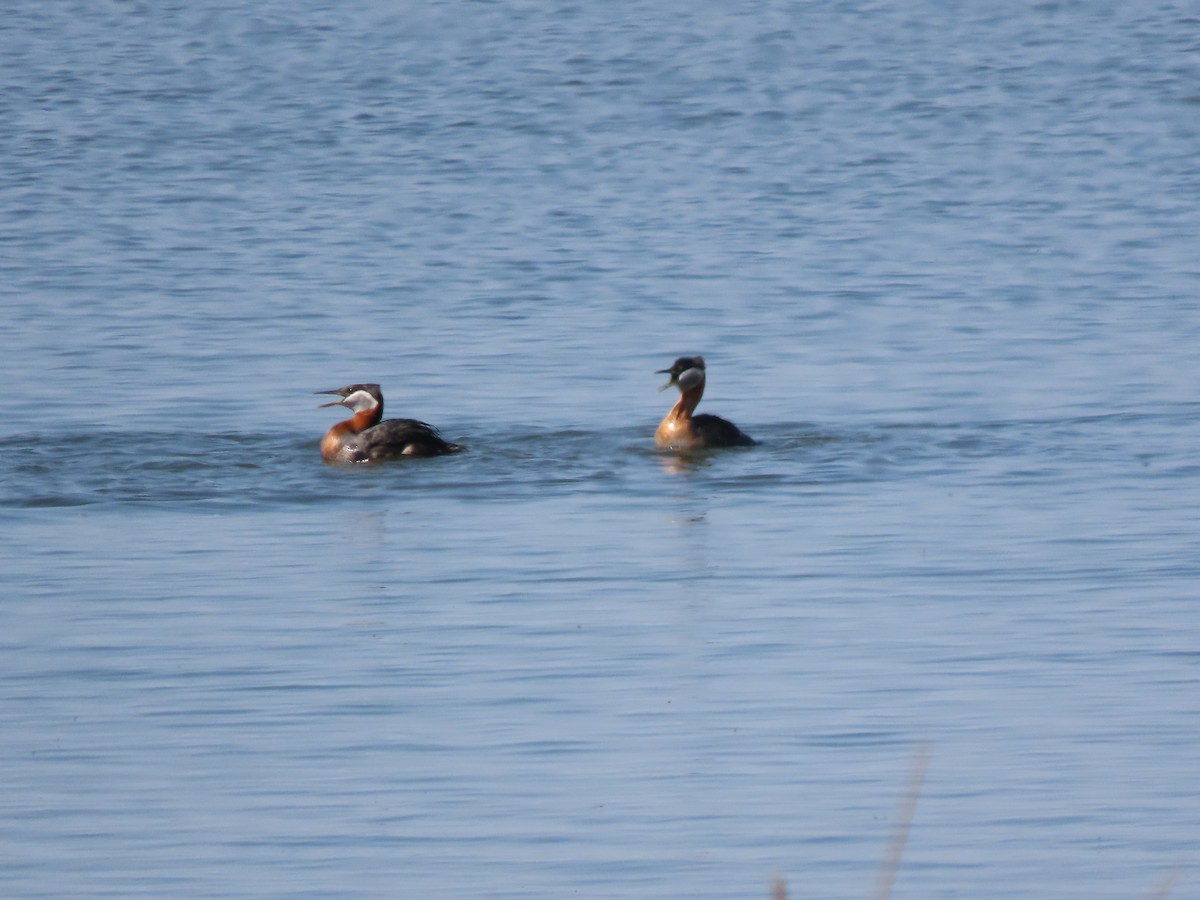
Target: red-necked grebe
{"x": 679, "y": 429}
{"x": 367, "y": 437}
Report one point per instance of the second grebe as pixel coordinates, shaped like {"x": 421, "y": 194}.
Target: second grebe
{"x": 679, "y": 429}
{"x": 367, "y": 437}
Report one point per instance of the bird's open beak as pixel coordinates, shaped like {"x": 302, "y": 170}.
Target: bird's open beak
{"x": 332, "y": 402}
{"x": 669, "y": 383}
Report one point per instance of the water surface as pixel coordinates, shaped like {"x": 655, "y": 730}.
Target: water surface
{"x": 942, "y": 264}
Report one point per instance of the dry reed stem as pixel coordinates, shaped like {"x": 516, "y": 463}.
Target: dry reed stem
{"x": 1165, "y": 886}
{"x": 908, "y": 809}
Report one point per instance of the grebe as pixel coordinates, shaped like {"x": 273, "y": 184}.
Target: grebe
{"x": 679, "y": 429}
{"x": 365, "y": 437}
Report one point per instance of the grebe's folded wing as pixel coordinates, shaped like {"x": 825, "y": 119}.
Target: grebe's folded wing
{"x": 403, "y": 437}
{"x": 717, "y": 432}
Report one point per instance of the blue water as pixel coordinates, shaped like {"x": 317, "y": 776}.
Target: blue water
{"x": 943, "y": 263}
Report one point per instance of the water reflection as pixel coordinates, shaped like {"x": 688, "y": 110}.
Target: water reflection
{"x": 675, "y": 462}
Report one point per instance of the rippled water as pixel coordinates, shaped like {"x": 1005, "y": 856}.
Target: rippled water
{"x": 942, "y": 264}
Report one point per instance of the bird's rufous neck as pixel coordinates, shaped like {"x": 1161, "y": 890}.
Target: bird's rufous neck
{"x": 687, "y": 403}
{"x": 364, "y": 419}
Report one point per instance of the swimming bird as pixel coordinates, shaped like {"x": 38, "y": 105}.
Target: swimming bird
{"x": 679, "y": 429}
{"x": 367, "y": 437}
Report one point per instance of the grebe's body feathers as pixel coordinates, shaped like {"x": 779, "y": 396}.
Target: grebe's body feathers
{"x": 713, "y": 431}
{"x": 393, "y": 438}
{"x": 680, "y": 429}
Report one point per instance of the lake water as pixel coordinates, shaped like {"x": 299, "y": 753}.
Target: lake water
{"x": 944, "y": 264}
